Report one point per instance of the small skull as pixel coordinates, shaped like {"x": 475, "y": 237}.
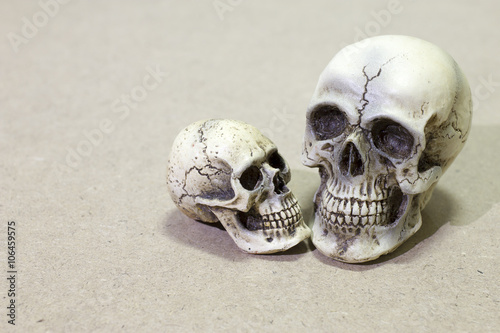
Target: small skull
{"x": 227, "y": 171}
{"x": 387, "y": 118}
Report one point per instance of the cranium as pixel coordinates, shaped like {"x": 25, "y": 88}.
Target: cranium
{"x": 227, "y": 171}
{"x": 387, "y": 118}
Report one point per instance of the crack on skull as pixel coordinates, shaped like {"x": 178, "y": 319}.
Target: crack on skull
{"x": 364, "y": 102}
{"x": 453, "y": 124}
{"x": 306, "y": 152}
{"x": 207, "y": 171}
{"x": 203, "y": 140}
{"x": 207, "y": 175}
{"x": 202, "y": 136}
{"x": 415, "y": 151}
{"x": 419, "y": 178}
{"x": 450, "y": 123}
{"x": 423, "y": 107}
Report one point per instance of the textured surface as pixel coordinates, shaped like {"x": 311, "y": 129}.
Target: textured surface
{"x": 102, "y": 247}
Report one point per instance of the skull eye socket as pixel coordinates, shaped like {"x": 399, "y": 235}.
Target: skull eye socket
{"x": 392, "y": 139}
{"x": 276, "y": 161}
{"x": 327, "y": 122}
{"x": 250, "y": 178}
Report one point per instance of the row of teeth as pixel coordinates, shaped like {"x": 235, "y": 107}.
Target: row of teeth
{"x": 351, "y": 212}
{"x": 352, "y": 221}
{"x": 354, "y": 207}
{"x": 283, "y": 219}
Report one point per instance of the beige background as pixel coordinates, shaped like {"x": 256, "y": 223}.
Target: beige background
{"x": 101, "y": 246}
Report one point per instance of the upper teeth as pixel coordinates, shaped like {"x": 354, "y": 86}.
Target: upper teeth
{"x": 351, "y": 212}
{"x": 289, "y": 216}
{"x": 354, "y": 207}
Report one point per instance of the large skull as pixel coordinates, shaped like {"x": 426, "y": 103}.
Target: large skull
{"x": 227, "y": 171}
{"x": 388, "y": 116}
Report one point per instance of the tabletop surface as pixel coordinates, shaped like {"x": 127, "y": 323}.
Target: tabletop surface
{"x": 92, "y": 95}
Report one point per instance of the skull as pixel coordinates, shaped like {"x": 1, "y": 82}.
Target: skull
{"x": 227, "y": 171}
{"x": 387, "y": 118}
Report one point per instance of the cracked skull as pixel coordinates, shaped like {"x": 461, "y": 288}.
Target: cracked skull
{"x": 387, "y": 118}
{"x": 227, "y": 171}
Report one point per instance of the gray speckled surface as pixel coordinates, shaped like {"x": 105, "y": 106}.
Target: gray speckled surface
{"x": 100, "y": 245}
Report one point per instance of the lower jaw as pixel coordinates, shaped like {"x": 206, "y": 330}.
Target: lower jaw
{"x": 367, "y": 243}
{"x": 348, "y": 247}
{"x": 278, "y": 240}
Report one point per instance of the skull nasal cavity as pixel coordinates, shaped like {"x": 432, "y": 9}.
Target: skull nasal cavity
{"x": 279, "y": 185}
{"x": 351, "y": 163}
